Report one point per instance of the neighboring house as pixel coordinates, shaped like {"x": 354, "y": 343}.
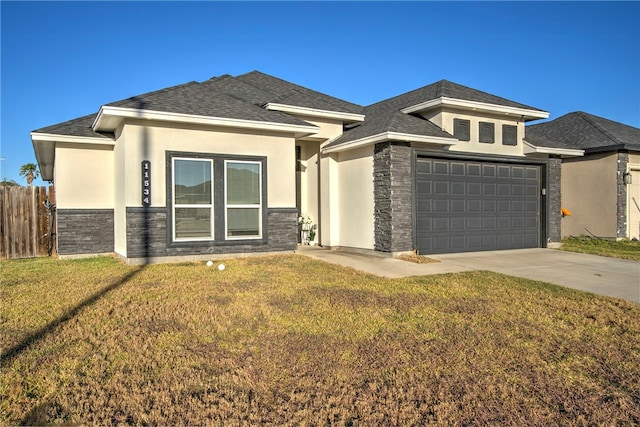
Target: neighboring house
{"x": 226, "y": 166}
{"x": 601, "y": 189}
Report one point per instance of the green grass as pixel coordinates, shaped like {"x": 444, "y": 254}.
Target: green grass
{"x": 286, "y": 340}
{"x": 625, "y": 249}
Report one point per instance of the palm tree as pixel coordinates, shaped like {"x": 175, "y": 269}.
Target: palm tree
{"x": 30, "y": 172}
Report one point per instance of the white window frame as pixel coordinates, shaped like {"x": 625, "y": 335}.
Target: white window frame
{"x": 199, "y": 206}
{"x": 228, "y": 206}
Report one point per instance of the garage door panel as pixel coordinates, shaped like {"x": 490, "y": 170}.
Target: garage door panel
{"x": 441, "y": 225}
{"x": 473, "y": 169}
{"x": 423, "y": 188}
{"x": 441, "y": 168}
{"x": 458, "y": 188}
{"x": 489, "y": 206}
{"x": 474, "y": 189}
{"x": 457, "y": 169}
{"x": 441, "y": 187}
{"x": 489, "y": 189}
{"x": 473, "y": 206}
{"x": 458, "y": 224}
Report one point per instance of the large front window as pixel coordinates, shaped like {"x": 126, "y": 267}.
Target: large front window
{"x": 216, "y": 197}
{"x": 243, "y": 199}
{"x": 192, "y": 199}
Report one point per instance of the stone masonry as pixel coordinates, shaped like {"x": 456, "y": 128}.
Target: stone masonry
{"x": 392, "y": 182}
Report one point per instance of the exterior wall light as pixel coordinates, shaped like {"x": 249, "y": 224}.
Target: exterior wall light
{"x": 626, "y": 178}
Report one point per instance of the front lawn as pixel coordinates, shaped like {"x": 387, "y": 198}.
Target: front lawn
{"x": 625, "y": 249}
{"x": 286, "y": 340}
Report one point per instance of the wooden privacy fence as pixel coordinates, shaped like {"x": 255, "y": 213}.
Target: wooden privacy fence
{"x": 24, "y": 221}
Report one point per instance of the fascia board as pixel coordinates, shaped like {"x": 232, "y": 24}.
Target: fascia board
{"x": 107, "y": 111}
{"x": 567, "y": 152}
{"x": 314, "y": 112}
{"x": 52, "y": 137}
{"x": 390, "y": 136}
{"x": 476, "y": 106}
{"x": 45, "y": 155}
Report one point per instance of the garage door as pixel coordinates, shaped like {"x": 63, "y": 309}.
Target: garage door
{"x": 465, "y": 206}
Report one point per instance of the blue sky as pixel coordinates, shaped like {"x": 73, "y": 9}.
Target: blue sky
{"x": 62, "y": 60}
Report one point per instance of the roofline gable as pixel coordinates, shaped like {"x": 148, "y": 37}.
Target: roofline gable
{"x": 314, "y": 112}
{"x": 529, "y": 148}
{"x": 109, "y": 118}
{"x": 444, "y": 101}
{"x": 389, "y": 136}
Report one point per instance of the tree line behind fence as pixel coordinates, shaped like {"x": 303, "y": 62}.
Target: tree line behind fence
{"x": 27, "y": 222}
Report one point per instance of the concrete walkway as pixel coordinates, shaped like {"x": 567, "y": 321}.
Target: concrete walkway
{"x": 591, "y": 273}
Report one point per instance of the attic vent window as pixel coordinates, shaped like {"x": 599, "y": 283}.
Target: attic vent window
{"x": 461, "y": 129}
{"x": 509, "y": 135}
{"x": 486, "y": 132}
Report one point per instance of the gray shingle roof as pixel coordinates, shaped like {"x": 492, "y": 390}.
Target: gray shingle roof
{"x": 76, "y": 127}
{"x": 380, "y": 119}
{"x": 445, "y": 88}
{"x": 385, "y": 116}
{"x": 580, "y": 130}
{"x": 205, "y": 100}
{"x": 241, "y": 97}
{"x": 304, "y": 97}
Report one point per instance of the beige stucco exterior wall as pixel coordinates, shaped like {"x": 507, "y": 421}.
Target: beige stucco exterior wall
{"x": 84, "y": 176}
{"x": 355, "y": 198}
{"x": 120, "y": 185}
{"x": 152, "y": 141}
{"x": 444, "y": 119}
{"x": 329, "y": 201}
{"x": 633, "y": 197}
{"x": 319, "y": 179}
{"x": 329, "y": 128}
{"x": 589, "y": 192}
{"x": 309, "y": 180}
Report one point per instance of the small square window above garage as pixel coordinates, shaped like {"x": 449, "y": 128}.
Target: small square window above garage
{"x": 462, "y": 129}
{"x": 509, "y": 135}
{"x": 486, "y": 132}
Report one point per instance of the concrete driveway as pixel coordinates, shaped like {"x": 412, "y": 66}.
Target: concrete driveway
{"x": 600, "y": 275}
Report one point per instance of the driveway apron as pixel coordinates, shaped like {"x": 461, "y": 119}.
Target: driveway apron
{"x": 600, "y": 275}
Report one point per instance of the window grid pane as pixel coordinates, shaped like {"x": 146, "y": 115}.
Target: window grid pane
{"x": 192, "y": 199}
{"x": 192, "y": 223}
{"x": 243, "y": 182}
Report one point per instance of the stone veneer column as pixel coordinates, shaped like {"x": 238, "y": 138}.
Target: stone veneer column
{"x": 554, "y": 200}
{"x": 392, "y": 187}
{"x": 621, "y": 214}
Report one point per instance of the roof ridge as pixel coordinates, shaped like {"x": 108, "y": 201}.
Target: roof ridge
{"x": 154, "y": 92}
{"x": 585, "y": 116}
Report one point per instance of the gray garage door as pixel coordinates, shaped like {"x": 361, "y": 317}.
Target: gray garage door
{"x": 465, "y": 206}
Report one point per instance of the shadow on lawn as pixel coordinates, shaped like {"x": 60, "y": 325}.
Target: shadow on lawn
{"x": 8, "y": 355}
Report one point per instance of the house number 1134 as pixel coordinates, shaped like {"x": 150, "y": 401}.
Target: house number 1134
{"x": 146, "y": 183}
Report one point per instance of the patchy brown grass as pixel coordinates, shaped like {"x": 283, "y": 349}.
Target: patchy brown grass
{"x": 418, "y": 259}
{"x": 290, "y": 341}
{"x": 623, "y": 249}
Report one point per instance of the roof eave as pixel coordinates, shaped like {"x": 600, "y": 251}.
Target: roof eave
{"x": 524, "y": 113}
{"x": 616, "y": 147}
{"x": 390, "y": 136}
{"x": 44, "y": 146}
{"x": 529, "y": 148}
{"x": 109, "y": 118}
{"x": 314, "y": 112}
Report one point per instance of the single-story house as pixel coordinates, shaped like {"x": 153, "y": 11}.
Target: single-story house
{"x": 601, "y": 190}
{"x": 226, "y": 166}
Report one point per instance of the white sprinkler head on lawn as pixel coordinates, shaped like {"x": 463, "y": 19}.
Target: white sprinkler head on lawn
{"x": 209, "y": 263}
{"x": 221, "y": 267}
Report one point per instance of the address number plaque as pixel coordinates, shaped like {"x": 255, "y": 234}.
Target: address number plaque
{"x": 146, "y": 183}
